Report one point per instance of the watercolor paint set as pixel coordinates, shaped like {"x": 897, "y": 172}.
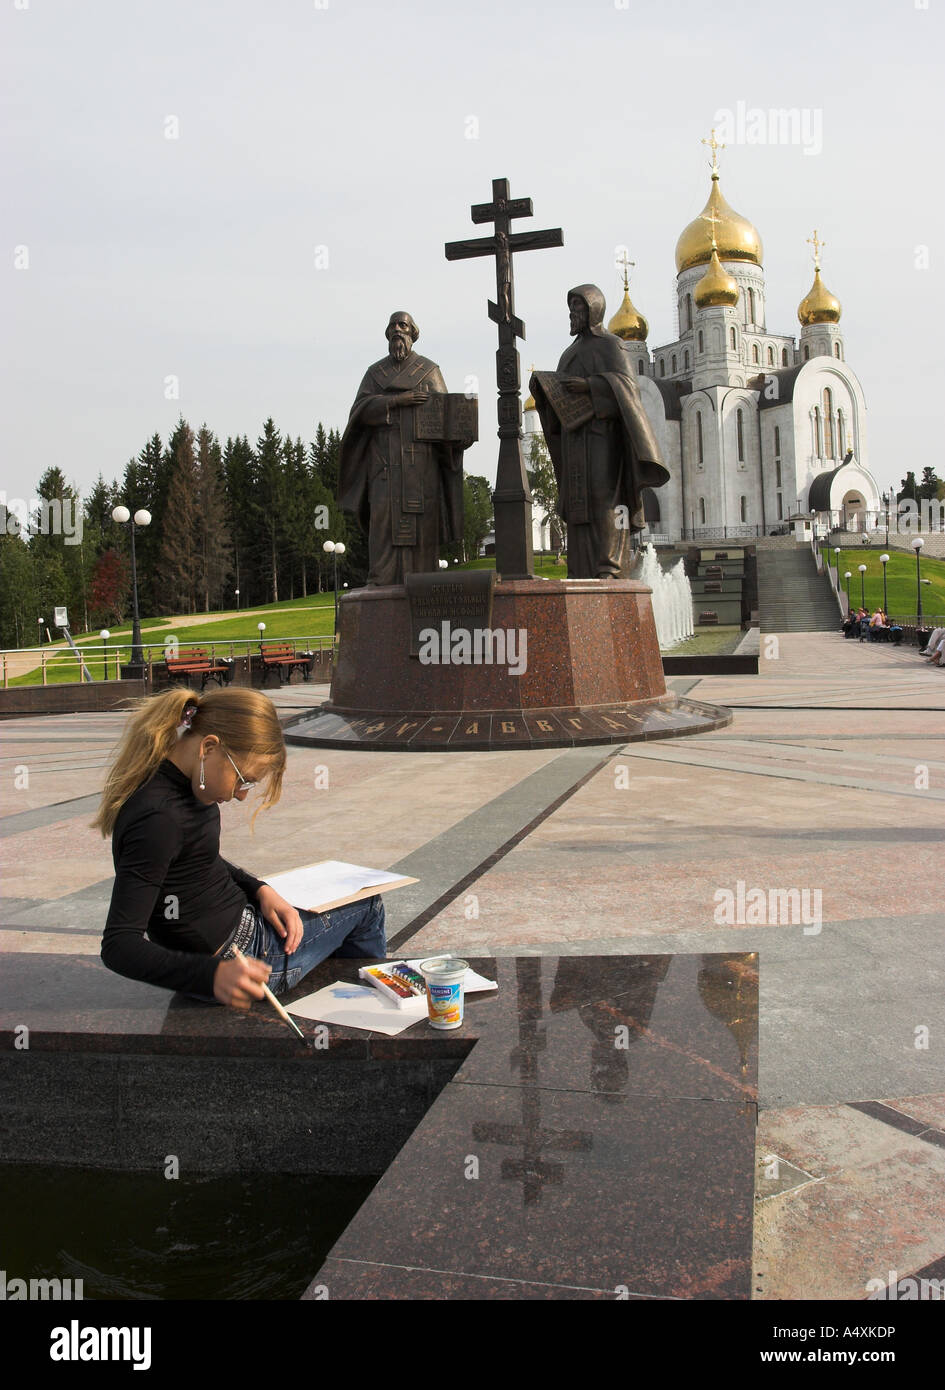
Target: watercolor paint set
{"x": 397, "y": 980}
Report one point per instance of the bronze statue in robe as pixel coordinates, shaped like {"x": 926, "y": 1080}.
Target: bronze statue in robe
{"x": 602, "y": 446}
{"x": 405, "y": 491}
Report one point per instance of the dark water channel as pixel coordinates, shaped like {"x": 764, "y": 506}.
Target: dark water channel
{"x": 144, "y": 1236}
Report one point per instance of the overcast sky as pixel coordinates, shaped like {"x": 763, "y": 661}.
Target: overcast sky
{"x": 345, "y": 126}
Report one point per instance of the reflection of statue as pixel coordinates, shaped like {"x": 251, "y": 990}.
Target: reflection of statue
{"x": 629, "y": 998}
{"x": 601, "y": 444}
{"x": 400, "y": 476}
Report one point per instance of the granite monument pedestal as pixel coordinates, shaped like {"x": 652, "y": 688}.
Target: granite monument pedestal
{"x": 562, "y": 662}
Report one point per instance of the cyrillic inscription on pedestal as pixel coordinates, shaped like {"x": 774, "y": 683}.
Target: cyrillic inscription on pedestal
{"x": 463, "y": 600}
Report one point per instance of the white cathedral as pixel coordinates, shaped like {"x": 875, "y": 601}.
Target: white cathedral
{"x": 755, "y": 427}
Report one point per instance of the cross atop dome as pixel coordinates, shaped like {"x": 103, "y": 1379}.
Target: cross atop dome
{"x": 817, "y": 244}
{"x": 625, "y": 261}
{"x": 714, "y": 146}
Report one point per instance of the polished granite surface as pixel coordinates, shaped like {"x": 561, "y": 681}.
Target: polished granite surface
{"x": 596, "y": 1141}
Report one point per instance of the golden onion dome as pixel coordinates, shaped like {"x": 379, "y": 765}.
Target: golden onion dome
{"x": 735, "y": 237}
{"x": 530, "y": 404}
{"x": 716, "y": 286}
{"x": 818, "y": 305}
{"x": 628, "y": 323}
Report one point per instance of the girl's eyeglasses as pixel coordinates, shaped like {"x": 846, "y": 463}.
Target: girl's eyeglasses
{"x": 243, "y": 785}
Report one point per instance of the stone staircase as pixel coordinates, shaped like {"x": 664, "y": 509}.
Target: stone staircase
{"x": 792, "y": 596}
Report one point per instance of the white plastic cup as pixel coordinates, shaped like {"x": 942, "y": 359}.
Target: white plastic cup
{"x": 444, "y": 977}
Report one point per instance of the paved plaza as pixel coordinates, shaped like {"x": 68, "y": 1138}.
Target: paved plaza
{"x": 829, "y": 785}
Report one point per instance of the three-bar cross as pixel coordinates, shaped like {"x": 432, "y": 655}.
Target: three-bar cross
{"x": 512, "y": 499}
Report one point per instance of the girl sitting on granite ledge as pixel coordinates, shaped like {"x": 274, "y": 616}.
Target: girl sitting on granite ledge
{"x": 179, "y": 912}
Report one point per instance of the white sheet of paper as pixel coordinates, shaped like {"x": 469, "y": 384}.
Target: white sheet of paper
{"x": 359, "y": 1006}
{"x": 363, "y": 1006}
{"x": 315, "y": 884}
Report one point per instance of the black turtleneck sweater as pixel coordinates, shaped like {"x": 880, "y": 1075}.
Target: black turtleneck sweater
{"x": 171, "y": 883}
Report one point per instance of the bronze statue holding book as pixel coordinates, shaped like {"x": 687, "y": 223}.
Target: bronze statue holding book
{"x": 601, "y": 443}
{"x": 401, "y": 462}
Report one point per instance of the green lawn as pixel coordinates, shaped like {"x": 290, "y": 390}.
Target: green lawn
{"x": 900, "y": 580}
{"x": 305, "y": 617}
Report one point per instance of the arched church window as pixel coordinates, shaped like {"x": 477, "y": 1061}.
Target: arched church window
{"x": 828, "y": 422}
{"x": 640, "y": 367}
{"x": 688, "y": 311}
{"x": 751, "y": 306}
{"x": 699, "y": 450}
{"x": 806, "y": 353}
{"x": 673, "y": 366}
{"x": 770, "y": 356}
{"x": 836, "y": 349}
{"x": 734, "y": 341}
{"x": 743, "y": 508}
{"x": 686, "y": 360}
{"x": 740, "y": 434}
{"x": 662, "y": 367}
{"x": 701, "y": 341}
{"x": 777, "y": 441}
{"x": 755, "y": 355}
{"x": 702, "y": 511}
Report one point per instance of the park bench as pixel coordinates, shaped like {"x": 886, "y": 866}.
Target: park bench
{"x": 282, "y": 658}
{"x": 196, "y": 662}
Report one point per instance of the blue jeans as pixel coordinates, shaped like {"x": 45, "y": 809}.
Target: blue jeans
{"x": 356, "y": 929}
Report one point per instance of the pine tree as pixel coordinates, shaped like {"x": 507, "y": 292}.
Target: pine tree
{"x": 19, "y": 605}
{"x": 477, "y": 513}
{"x": 269, "y": 506}
{"x": 179, "y": 558}
{"x": 238, "y": 480}
{"x": 142, "y": 478}
{"x": 212, "y": 537}
{"x": 110, "y": 589}
{"x": 908, "y": 488}
{"x": 57, "y": 547}
{"x": 930, "y": 483}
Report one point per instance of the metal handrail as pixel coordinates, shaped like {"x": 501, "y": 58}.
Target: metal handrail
{"x": 96, "y": 651}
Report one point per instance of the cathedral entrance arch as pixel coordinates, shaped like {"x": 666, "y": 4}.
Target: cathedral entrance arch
{"x": 853, "y": 512}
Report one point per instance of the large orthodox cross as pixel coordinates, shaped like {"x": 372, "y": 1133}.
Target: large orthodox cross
{"x": 512, "y": 499}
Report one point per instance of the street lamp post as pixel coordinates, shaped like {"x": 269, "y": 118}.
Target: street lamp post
{"x": 887, "y": 498}
{"x": 862, "y": 569}
{"x": 884, "y": 561}
{"x": 135, "y": 667}
{"x": 105, "y": 634}
{"x": 847, "y": 576}
{"x": 334, "y": 549}
{"x": 40, "y": 621}
{"x": 237, "y": 592}
{"x": 917, "y": 545}
{"x": 836, "y": 556}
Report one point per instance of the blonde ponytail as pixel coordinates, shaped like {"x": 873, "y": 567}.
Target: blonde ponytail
{"x": 244, "y": 720}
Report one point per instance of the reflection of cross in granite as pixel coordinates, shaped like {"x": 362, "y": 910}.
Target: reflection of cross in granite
{"x": 531, "y": 1170}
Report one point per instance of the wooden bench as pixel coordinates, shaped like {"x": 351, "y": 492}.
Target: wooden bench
{"x": 196, "y": 662}
{"x": 282, "y": 658}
